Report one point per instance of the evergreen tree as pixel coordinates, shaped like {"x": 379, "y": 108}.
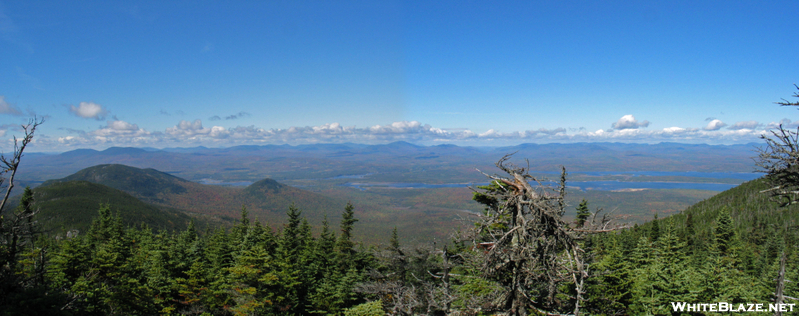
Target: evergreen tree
{"x": 24, "y": 288}
{"x": 219, "y": 256}
{"x": 668, "y": 278}
{"x": 723, "y": 234}
{"x": 289, "y": 240}
{"x": 654, "y": 232}
{"x": 345, "y": 247}
{"x": 611, "y": 292}
{"x": 582, "y": 213}
{"x": 398, "y": 260}
{"x": 690, "y": 235}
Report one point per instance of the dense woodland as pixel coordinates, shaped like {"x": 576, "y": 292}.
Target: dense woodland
{"x": 725, "y": 249}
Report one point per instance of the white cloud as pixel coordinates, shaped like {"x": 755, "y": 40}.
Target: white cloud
{"x": 89, "y": 110}
{"x": 118, "y": 131}
{"x": 786, "y": 123}
{"x": 122, "y": 126}
{"x": 715, "y": 125}
{"x": 115, "y": 133}
{"x": 489, "y": 133}
{"x": 744, "y": 125}
{"x": 6, "y": 108}
{"x": 628, "y": 122}
{"x": 195, "y": 131}
{"x": 674, "y": 130}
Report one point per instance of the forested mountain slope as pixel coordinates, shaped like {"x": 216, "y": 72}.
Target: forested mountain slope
{"x": 754, "y": 215}
{"x": 267, "y": 199}
{"x": 71, "y": 205}
{"x": 725, "y": 249}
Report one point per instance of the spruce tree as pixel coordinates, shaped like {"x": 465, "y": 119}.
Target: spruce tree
{"x": 723, "y": 233}
{"x": 345, "y": 247}
{"x": 654, "y": 232}
{"x": 668, "y": 278}
{"x": 611, "y": 292}
{"x": 582, "y": 213}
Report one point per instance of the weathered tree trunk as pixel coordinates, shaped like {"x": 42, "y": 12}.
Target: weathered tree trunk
{"x": 533, "y": 251}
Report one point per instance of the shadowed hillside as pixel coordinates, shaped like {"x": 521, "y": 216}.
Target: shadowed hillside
{"x": 266, "y": 199}
{"x": 69, "y": 205}
{"x": 147, "y": 184}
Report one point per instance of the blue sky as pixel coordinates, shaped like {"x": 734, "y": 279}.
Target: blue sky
{"x": 179, "y": 74}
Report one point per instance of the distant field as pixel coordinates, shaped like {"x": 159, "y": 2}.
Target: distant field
{"x": 423, "y": 214}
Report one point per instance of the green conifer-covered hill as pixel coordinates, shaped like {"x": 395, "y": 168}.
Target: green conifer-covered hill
{"x": 267, "y": 199}
{"x": 146, "y": 184}
{"x": 71, "y": 205}
{"x": 753, "y": 214}
{"x": 728, "y": 248}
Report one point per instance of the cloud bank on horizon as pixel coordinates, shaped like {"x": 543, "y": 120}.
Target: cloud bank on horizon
{"x": 193, "y": 133}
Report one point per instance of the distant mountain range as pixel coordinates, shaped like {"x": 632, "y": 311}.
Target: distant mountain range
{"x": 398, "y": 161}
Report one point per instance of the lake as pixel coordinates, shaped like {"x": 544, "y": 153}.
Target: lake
{"x": 601, "y": 185}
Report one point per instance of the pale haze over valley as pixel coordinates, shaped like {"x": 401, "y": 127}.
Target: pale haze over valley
{"x": 220, "y": 74}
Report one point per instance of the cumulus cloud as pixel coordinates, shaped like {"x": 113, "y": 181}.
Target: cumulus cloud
{"x": 118, "y": 130}
{"x": 744, "y": 125}
{"x": 195, "y": 130}
{"x": 89, "y": 110}
{"x": 628, "y": 122}
{"x": 114, "y": 133}
{"x": 673, "y": 130}
{"x": 119, "y": 125}
{"x": 714, "y": 125}
{"x": 214, "y": 118}
{"x": 785, "y": 123}
{"x": 6, "y": 108}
